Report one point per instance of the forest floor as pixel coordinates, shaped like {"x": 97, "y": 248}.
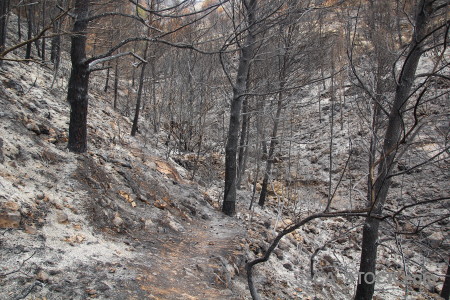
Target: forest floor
{"x": 118, "y": 222}
{"x": 192, "y": 265}
{"x": 123, "y": 221}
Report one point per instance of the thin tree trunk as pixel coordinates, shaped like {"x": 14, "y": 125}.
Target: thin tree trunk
{"x": 44, "y": 9}
{"x": 134, "y": 128}
{"x": 282, "y": 71}
{"x": 365, "y": 288}
{"x": 19, "y": 22}
{"x": 243, "y": 142}
{"x": 155, "y": 110}
{"x": 55, "y": 48}
{"x": 273, "y": 143}
{"x": 229, "y": 201}
{"x": 445, "y": 293}
{"x": 79, "y": 81}
{"x": 3, "y": 25}
{"x": 107, "y": 78}
{"x": 116, "y": 84}
{"x": 29, "y": 30}
{"x": 330, "y": 172}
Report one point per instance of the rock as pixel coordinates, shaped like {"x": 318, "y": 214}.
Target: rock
{"x": 42, "y": 276}
{"x": 44, "y": 129}
{"x": 12, "y": 84}
{"x": 40, "y": 195}
{"x": 103, "y": 287}
{"x": 408, "y": 253}
{"x": 117, "y": 221}
{"x": 288, "y": 266}
{"x": 11, "y": 205}
{"x": 169, "y": 222}
{"x": 62, "y": 217}
{"x": 342, "y": 240}
{"x": 91, "y": 292}
{"x": 10, "y": 219}
{"x": 311, "y": 229}
{"x": 148, "y": 224}
{"x": 436, "y": 239}
{"x": 329, "y": 259}
{"x": 160, "y": 204}
{"x": 32, "y": 126}
{"x": 279, "y": 254}
{"x": 30, "y": 229}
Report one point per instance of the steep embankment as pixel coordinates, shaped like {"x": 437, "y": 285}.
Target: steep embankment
{"x": 119, "y": 221}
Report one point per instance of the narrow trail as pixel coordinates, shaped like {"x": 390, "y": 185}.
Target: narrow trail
{"x": 188, "y": 265}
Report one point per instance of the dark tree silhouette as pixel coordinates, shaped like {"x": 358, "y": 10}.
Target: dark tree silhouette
{"x": 239, "y": 89}
{"x": 79, "y": 80}
{"x": 392, "y": 140}
{"x": 4, "y": 7}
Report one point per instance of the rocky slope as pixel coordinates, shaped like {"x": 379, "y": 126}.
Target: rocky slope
{"x": 123, "y": 221}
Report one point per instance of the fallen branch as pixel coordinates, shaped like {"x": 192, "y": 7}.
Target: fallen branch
{"x": 20, "y": 267}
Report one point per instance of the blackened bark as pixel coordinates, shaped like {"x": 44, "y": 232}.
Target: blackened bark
{"x": 365, "y": 288}
{"x": 282, "y": 73}
{"x": 134, "y": 128}
{"x": 445, "y": 293}
{"x": 229, "y": 201}
{"x": 3, "y": 13}
{"x": 243, "y": 142}
{"x": 79, "y": 81}
{"x": 116, "y": 84}
{"x": 55, "y": 48}
{"x": 29, "y": 30}
{"x": 107, "y": 79}
{"x": 19, "y": 22}
{"x": 44, "y": 9}
{"x": 273, "y": 143}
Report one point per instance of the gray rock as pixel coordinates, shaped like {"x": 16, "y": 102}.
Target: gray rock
{"x": 62, "y": 217}
{"x": 279, "y": 254}
{"x": 436, "y": 239}
{"x": 32, "y": 126}
{"x": 42, "y": 276}
{"x": 288, "y": 266}
{"x": 117, "y": 221}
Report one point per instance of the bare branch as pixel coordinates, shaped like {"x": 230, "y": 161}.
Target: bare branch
{"x": 108, "y": 58}
{"x": 289, "y": 229}
{"x": 37, "y": 37}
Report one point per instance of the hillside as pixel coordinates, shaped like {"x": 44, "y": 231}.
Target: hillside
{"x": 140, "y": 217}
{"x": 122, "y": 221}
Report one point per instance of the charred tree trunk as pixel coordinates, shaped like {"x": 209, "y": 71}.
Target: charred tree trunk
{"x": 4, "y": 5}
{"x": 366, "y": 283}
{"x": 44, "y": 8}
{"x": 229, "y": 201}
{"x": 55, "y": 48}
{"x": 79, "y": 81}
{"x": 282, "y": 73}
{"x": 445, "y": 293}
{"x": 29, "y": 30}
{"x": 107, "y": 78}
{"x": 116, "y": 84}
{"x": 243, "y": 142}
{"x": 134, "y": 128}
{"x": 19, "y": 22}
{"x": 273, "y": 143}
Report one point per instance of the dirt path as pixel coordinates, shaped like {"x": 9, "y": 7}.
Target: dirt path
{"x": 195, "y": 264}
